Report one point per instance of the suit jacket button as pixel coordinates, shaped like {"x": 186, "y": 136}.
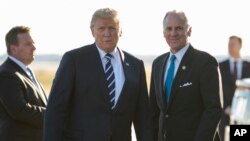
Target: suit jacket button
{"x": 166, "y": 116}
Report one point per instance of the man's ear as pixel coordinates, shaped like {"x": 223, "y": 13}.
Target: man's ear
{"x": 13, "y": 49}
{"x": 92, "y": 31}
{"x": 189, "y": 31}
{"x": 120, "y": 33}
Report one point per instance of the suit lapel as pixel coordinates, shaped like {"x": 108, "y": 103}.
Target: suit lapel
{"x": 228, "y": 73}
{"x": 182, "y": 72}
{"x": 99, "y": 74}
{"x": 23, "y": 75}
{"x": 42, "y": 94}
{"x": 161, "y": 80}
{"x": 245, "y": 70}
{"x": 127, "y": 76}
{"x": 38, "y": 93}
{"x": 127, "y": 69}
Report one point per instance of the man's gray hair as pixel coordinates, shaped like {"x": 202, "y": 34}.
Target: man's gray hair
{"x": 104, "y": 13}
{"x": 181, "y": 15}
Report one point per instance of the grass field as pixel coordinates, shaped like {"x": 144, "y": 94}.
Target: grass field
{"x": 45, "y": 77}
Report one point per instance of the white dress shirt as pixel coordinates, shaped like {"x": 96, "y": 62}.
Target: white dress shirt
{"x": 20, "y": 64}
{"x": 179, "y": 55}
{"x": 239, "y": 65}
{"x": 116, "y": 62}
{"x": 24, "y": 67}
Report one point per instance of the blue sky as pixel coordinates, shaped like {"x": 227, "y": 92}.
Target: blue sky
{"x": 62, "y": 25}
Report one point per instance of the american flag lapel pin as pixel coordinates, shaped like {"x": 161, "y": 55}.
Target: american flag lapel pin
{"x": 183, "y": 67}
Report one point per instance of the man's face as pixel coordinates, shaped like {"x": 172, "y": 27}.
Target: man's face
{"x": 176, "y": 32}
{"x": 106, "y": 32}
{"x": 25, "y": 49}
{"x": 234, "y": 47}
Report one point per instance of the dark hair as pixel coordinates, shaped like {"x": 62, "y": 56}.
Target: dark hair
{"x": 11, "y": 36}
{"x": 236, "y": 37}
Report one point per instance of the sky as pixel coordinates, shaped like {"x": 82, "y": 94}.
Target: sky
{"x": 61, "y": 25}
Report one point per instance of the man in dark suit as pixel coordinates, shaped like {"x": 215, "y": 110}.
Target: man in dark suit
{"x": 185, "y": 87}
{"x": 99, "y": 90}
{"x": 231, "y": 69}
{"x": 22, "y": 99}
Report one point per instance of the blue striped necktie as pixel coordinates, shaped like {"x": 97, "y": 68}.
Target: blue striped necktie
{"x": 110, "y": 77}
{"x": 32, "y": 76}
{"x": 170, "y": 77}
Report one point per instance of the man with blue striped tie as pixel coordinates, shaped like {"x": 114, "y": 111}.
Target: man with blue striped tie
{"x": 22, "y": 100}
{"x": 99, "y": 90}
{"x": 110, "y": 77}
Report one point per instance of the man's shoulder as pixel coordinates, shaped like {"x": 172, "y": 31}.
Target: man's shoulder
{"x": 224, "y": 62}
{"x": 246, "y": 66}
{"x": 82, "y": 49}
{"x": 246, "y": 62}
{"x": 133, "y": 60}
{"x": 7, "y": 67}
{"x": 130, "y": 56}
{"x": 203, "y": 56}
{"x": 161, "y": 57}
{"x": 7, "y": 72}
{"x": 159, "y": 61}
{"x": 80, "y": 52}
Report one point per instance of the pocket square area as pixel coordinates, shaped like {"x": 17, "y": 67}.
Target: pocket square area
{"x": 186, "y": 84}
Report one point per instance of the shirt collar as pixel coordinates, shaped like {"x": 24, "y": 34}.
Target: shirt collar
{"x": 232, "y": 60}
{"x": 179, "y": 55}
{"x": 116, "y": 53}
{"x": 19, "y": 63}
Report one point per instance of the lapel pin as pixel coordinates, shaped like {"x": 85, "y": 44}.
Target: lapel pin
{"x": 127, "y": 64}
{"x": 183, "y": 67}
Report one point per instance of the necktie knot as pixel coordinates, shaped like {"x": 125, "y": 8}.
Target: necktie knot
{"x": 28, "y": 69}
{"x": 108, "y": 56}
{"x": 32, "y": 76}
{"x": 30, "y": 73}
{"x": 172, "y": 58}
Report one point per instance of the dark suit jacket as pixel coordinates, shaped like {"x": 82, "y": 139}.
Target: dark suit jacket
{"x": 79, "y": 107}
{"x": 228, "y": 82}
{"x": 229, "y": 87}
{"x": 194, "y": 109}
{"x": 21, "y": 108}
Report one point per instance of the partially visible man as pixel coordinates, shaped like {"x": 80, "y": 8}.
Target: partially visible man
{"x": 99, "y": 90}
{"x": 22, "y": 99}
{"x": 185, "y": 87}
{"x": 231, "y": 69}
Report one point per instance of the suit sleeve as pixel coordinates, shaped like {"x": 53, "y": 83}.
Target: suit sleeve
{"x": 12, "y": 97}
{"x": 142, "y": 122}
{"x": 59, "y": 99}
{"x": 211, "y": 92}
